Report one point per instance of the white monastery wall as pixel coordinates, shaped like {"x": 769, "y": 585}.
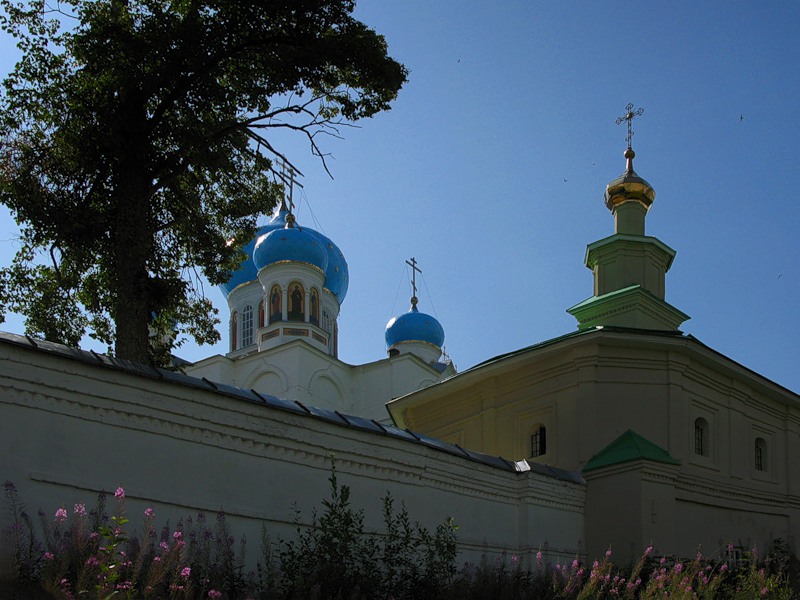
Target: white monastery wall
{"x": 70, "y": 428}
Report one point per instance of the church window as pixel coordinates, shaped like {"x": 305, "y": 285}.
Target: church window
{"x": 296, "y": 300}
{"x": 261, "y": 313}
{"x": 275, "y": 304}
{"x": 247, "y": 326}
{"x": 539, "y": 441}
{"x": 234, "y": 327}
{"x": 313, "y": 316}
{"x": 701, "y": 437}
{"x": 760, "y": 454}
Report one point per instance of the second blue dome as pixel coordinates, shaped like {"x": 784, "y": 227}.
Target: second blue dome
{"x": 414, "y": 326}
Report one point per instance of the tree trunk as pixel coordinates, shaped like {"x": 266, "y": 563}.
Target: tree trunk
{"x": 132, "y": 248}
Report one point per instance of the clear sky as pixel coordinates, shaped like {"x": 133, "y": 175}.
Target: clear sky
{"x": 491, "y": 168}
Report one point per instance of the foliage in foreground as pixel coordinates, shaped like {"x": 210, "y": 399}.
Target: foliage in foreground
{"x": 89, "y": 554}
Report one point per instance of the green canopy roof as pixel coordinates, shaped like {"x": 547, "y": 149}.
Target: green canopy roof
{"x": 627, "y": 447}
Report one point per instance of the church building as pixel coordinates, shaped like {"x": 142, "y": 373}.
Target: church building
{"x": 679, "y": 445}
{"x": 626, "y": 432}
{"x": 284, "y": 304}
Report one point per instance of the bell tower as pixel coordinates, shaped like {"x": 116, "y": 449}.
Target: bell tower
{"x": 629, "y": 266}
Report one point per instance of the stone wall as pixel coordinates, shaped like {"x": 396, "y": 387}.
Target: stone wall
{"x": 73, "y": 424}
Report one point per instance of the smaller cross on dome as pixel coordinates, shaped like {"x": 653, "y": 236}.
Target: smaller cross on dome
{"x": 412, "y": 262}
{"x": 628, "y": 116}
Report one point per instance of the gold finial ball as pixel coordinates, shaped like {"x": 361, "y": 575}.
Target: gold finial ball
{"x": 414, "y": 300}
{"x": 629, "y": 153}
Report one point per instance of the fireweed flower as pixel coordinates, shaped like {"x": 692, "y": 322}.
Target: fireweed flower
{"x": 80, "y": 510}
{"x": 48, "y": 556}
{"x": 177, "y": 535}
{"x": 185, "y": 572}
{"x": 120, "y": 493}
{"x": 149, "y": 513}
{"x": 539, "y": 556}
{"x": 608, "y": 553}
{"x": 61, "y": 515}
{"x": 214, "y": 594}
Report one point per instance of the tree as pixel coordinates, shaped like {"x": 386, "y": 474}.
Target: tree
{"x": 135, "y": 145}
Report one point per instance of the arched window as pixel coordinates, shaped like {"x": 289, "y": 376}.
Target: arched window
{"x": 760, "y": 457}
{"x": 261, "y": 313}
{"x": 234, "y": 329}
{"x": 313, "y": 316}
{"x": 275, "y": 304}
{"x": 247, "y": 326}
{"x": 296, "y": 303}
{"x": 539, "y": 441}
{"x": 701, "y": 437}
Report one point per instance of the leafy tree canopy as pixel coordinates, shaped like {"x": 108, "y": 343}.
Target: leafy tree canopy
{"x": 135, "y": 143}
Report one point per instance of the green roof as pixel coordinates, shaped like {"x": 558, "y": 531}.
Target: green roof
{"x": 628, "y": 447}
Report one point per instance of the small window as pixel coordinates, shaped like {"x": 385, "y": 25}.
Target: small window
{"x": 247, "y": 326}
{"x": 539, "y": 442}
{"x": 275, "y": 304}
{"x": 234, "y": 328}
{"x": 261, "y": 313}
{"x": 701, "y": 437}
{"x": 313, "y": 316}
{"x": 760, "y": 456}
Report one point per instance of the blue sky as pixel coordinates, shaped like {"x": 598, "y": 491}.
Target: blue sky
{"x": 491, "y": 167}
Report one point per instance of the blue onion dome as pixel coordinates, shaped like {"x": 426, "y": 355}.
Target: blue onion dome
{"x": 414, "y": 326}
{"x": 337, "y": 275}
{"x": 247, "y": 271}
{"x": 290, "y": 244}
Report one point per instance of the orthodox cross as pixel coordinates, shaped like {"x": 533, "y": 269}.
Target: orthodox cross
{"x": 628, "y": 116}
{"x": 287, "y": 176}
{"x": 414, "y": 268}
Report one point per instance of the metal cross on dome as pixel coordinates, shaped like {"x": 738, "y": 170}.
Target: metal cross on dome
{"x": 628, "y": 116}
{"x": 414, "y": 268}
{"x": 287, "y": 176}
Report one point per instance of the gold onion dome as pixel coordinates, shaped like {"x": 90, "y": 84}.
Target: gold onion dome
{"x": 629, "y": 187}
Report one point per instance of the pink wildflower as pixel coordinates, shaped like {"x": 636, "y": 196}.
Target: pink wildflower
{"x": 730, "y": 547}
{"x": 648, "y": 551}
{"x": 214, "y": 594}
{"x": 92, "y": 561}
{"x": 120, "y": 493}
{"x": 514, "y": 559}
{"x": 764, "y": 591}
{"x": 539, "y": 556}
{"x": 80, "y": 510}
{"x": 61, "y": 515}
{"x": 156, "y": 559}
{"x": 185, "y": 572}
{"x": 679, "y": 567}
{"x": 149, "y": 513}
{"x": 608, "y": 553}
{"x": 575, "y": 564}
{"x": 48, "y": 556}
{"x": 177, "y": 535}
{"x": 164, "y": 546}
{"x": 724, "y": 567}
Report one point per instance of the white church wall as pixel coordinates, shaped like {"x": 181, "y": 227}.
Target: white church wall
{"x": 70, "y": 429}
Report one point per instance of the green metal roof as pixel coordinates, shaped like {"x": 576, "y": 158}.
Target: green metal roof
{"x": 628, "y": 447}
